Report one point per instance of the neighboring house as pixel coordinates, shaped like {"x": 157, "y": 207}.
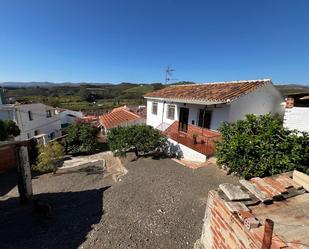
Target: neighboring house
{"x": 68, "y": 117}
{"x": 33, "y": 120}
{"x": 197, "y": 110}
{"x": 121, "y": 116}
{"x": 296, "y": 116}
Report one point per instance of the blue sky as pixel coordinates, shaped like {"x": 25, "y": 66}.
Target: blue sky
{"x": 134, "y": 40}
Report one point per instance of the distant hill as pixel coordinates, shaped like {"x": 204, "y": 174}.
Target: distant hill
{"x": 121, "y": 90}
{"x": 47, "y": 84}
{"x": 292, "y": 89}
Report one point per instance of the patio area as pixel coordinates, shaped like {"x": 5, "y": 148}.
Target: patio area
{"x": 205, "y": 138}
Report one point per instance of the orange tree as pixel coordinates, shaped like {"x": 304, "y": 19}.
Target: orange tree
{"x": 261, "y": 146}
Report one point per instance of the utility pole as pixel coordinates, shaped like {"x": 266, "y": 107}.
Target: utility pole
{"x": 24, "y": 173}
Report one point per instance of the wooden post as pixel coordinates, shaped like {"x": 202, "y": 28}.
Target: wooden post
{"x": 24, "y": 174}
{"x": 268, "y": 234}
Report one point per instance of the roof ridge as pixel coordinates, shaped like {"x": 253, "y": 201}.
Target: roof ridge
{"x": 131, "y": 113}
{"x": 225, "y": 82}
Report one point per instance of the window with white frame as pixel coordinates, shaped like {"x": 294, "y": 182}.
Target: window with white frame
{"x": 170, "y": 112}
{"x": 154, "y": 108}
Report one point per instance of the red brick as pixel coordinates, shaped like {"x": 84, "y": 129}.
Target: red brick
{"x": 275, "y": 184}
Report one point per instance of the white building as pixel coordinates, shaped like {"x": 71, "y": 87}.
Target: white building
{"x": 33, "y": 120}
{"x": 68, "y": 117}
{"x": 296, "y": 116}
{"x": 199, "y": 109}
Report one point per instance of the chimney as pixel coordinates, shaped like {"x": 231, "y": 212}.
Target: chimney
{"x": 289, "y": 103}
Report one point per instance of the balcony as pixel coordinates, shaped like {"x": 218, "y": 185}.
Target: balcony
{"x": 205, "y": 138}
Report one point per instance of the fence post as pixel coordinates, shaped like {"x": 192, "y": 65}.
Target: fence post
{"x": 24, "y": 174}
{"x": 268, "y": 233}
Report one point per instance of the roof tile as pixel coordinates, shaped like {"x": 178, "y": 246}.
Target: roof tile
{"x": 220, "y": 91}
{"x": 117, "y": 117}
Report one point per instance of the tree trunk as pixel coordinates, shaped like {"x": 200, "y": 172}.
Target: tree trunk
{"x": 136, "y": 152}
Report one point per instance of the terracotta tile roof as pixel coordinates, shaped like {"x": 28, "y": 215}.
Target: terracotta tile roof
{"x": 212, "y": 92}
{"x": 117, "y": 117}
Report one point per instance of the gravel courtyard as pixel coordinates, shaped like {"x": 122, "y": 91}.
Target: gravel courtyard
{"x": 157, "y": 204}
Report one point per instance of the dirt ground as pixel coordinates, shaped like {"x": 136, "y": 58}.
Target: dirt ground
{"x": 157, "y": 204}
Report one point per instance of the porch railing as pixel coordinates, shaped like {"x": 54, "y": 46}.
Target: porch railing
{"x": 204, "y": 142}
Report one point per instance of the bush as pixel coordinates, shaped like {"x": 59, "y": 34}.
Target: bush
{"x": 49, "y": 157}
{"x": 139, "y": 138}
{"x": 81, "y": 139}
{"x": 260, "y": 146}
{"x": 8, "y": 128}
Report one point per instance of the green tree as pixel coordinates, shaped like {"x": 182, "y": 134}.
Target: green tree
{"x": 261, "y": 146}
{"x": 138, "y": 138}
{"x": 49, "y": 157}
{"x": 83, "y": 92}
{"x": 81, "y": 138}
{"x": 8, "y": 128}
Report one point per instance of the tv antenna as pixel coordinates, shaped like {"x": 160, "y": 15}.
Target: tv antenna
{"x": 169, "y": 74}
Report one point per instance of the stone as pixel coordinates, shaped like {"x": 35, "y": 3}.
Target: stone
{"x": 255, "y": 191}
{"x": 236, "y": 206}
{"x": 301, "y": 179}
{"x": 233, "y": 192}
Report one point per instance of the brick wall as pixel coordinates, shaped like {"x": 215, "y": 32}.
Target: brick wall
{"x": 205, "y": 138}
{"x": 7, "y": 158}
{"x": 8, "y": 155}
{"x": 235, "y": 224}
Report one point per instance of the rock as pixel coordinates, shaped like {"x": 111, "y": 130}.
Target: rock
{"x": 233, "y": 192}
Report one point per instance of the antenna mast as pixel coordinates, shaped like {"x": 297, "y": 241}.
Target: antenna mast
{"x": 168, "y": 74}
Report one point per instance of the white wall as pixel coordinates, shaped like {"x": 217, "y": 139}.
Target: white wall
{"x": 40, "y": 122}
{"x": 262, "y": 101}
{"x": 156, "y": 120}
{"x": 189, "y": 154}
{"x": 66, "y": 118}
{"x": 6, "y": 114}
{"x": 297, "y": 118}
{"x": 219, "y": 114}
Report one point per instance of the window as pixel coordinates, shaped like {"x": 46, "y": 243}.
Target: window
{"x": 52, "y": 135}
{"x": 171, "y": 112}
{"x": 155, "y": 108}
{"x": 36, "y": 132}
{"x": 30, "y": 115}
{"x": 48, "y": 113}
{"x": 28, "y": 135}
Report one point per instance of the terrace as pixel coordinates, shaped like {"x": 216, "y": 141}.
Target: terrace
{"x": 204, "y": 142}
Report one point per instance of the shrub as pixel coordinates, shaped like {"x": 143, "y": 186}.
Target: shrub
{"x": 8, "y": 128}
{"x": 49, "y": 157}
{"x": 81, "y": 139}
{"x": 139, "y": 138}
{"x": 260, "y": 146}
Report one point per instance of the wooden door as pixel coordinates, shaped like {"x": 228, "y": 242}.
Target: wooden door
{"x": 183, "y": 119}
{"x": 204, "y": 119}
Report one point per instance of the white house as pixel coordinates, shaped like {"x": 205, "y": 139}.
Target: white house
{"x": 296, "y": 116}
{"x": 33, "y": 120}
{"x": 183, "y": 110}
{"x": 68, "y": 117}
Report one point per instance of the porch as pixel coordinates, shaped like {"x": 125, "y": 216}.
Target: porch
{"x": 205, "y": 138}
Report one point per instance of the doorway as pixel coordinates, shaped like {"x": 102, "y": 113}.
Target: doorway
{"x": 183, "y": 119}
{"x": 204, "y": 119}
